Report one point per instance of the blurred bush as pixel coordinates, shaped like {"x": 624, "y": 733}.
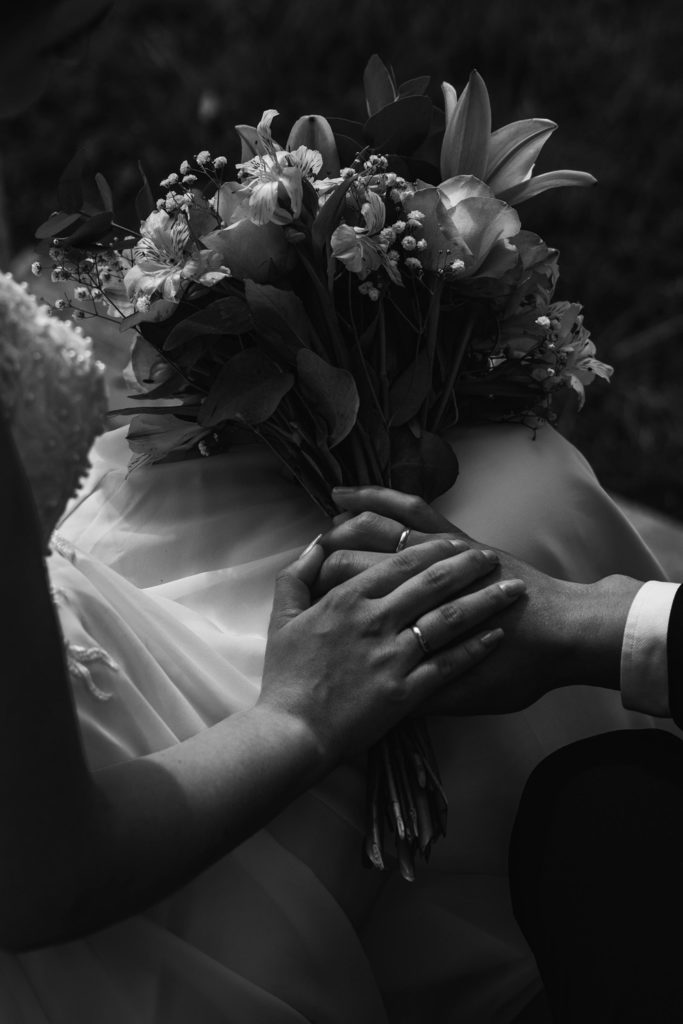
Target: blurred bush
{"x": 163, "y": 80}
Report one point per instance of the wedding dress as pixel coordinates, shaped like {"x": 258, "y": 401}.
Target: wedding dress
{"x": 163, "y": 580}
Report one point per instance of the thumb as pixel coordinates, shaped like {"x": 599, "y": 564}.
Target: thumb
{"x": 293, "y": 585}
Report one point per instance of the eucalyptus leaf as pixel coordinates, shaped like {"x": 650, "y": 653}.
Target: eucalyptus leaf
{"x": 379, "y": 84}
{"x": 105, "y": 192}
{"x": 402, "y": 126}
{"x": 144, "y": 200}
{"x": 70, "y": 185}
{"x": 56, "y": 224}
{"x": 331, "y": 393}
{"x": 281, "y": 317}
{"x": 415, "y": 86}
{"x": 91, "y": 230}
{"x": 248, "y": 389}
{"x": 230, "y": 315}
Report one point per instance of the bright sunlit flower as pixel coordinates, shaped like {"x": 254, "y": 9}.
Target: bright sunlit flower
{"x": 363, "y": 248}
{"x": 505, "y": 158}
{"x": 467, "y": 231}
{"x": 274, "y": 177}
{"x": 166, "y": 260}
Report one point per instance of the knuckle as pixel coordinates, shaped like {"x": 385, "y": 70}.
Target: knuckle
{"x": 338, "y": 562}
{"x": 438, "y": 574}
{"x": 415, "y": 504}
{"x": 452, "y": 614}
{"x": 366, "y": 522}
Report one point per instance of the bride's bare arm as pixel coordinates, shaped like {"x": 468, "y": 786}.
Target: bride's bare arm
{"x": 80, "y": 850}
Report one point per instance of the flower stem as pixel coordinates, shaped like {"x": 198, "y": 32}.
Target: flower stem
{"x": 449, "y": 389}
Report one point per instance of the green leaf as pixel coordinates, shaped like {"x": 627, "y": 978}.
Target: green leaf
{"x": 425, "y": 465}
{"x": 70, "y": 185}
{"x": 91, "y": 230}
{"x": 105, "y": 192}
{"x": 251, "y": 142}
{"x": 468, "y": 128}
{"x": 56, "y": 224}
{"x": 144, "y": 200}
{"x": 248, "y": 389}
{"x": 379, "y": 84}
{"x": 402, "y": 126}
{"x": 331, "y": 392}
{"x": 315, "y": 132}
{"x": 230, "y": 315}
{"x": 280, "y": 317}
{"x": 415, "y": 86}
{"x": 410, "y": 389}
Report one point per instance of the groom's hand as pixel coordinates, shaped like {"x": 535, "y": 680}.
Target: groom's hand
{"x": 559, "y": 634}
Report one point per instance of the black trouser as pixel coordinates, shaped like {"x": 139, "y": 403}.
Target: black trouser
{"x": 596, "y": 869}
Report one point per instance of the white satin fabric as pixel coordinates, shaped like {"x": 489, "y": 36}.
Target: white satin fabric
{"x": 172, "y": 575}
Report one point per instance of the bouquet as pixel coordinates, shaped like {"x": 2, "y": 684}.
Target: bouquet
{"x": 346, "y": 295}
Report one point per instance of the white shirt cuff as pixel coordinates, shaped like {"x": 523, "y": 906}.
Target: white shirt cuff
{"x": 644, "y": 669}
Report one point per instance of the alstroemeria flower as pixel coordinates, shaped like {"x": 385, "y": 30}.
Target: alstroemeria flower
{"x": 274, "y": 176}
{"x": 166, "y": 260}
{"x": 467, "y": 230}
{"x": 258, "y": 252}
{"x": 360, "y": 247}
{"x": 570, "y": 351}
{"x": 504, "y": 159}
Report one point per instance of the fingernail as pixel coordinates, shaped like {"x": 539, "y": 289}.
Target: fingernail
{"x": 492, "y": 556}
{"x": 344, "y": 490}
{"x": 513, "y": 588}
{"x": 492, "y": 638}
{"x": 310, "y": 546}
{"x": 461, "y": 545}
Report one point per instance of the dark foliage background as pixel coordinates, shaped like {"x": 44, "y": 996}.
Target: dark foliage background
{"x": 163, "y": 80}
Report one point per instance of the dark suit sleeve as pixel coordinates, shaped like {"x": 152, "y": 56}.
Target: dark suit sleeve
{"x": 674, "y": 653}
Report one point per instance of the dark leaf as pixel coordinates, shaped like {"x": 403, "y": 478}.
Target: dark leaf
{"x": 280, "y": 317}
{"x": 379, "y": 85}
{"x": 425, "y": 465}
{"x": 105, "y": 192}
{"x": 415, "y": 86}
{"x": 331, "y": 392}
{"x": 91, "y": 230}
{"x": 402, "y": 126}
{"x": 56, "y": 224}
{"x": 224, "y": 316}
{"x": 161, "y": 409}
{"x": 351, "y": 129}
{"x": 144, "y": 200}
{"x": 348, "y": 149}
{"x": 248, "y": 389}
{"x": 410, "y": 389}
{"x": 70, "y": 185}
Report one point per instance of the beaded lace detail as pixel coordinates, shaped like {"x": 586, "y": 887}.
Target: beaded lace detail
{"x": 78, "y": 658}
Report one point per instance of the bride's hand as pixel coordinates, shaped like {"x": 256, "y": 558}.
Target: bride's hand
{"x": 559, "y": 634}
{"x": 351, "y": 665}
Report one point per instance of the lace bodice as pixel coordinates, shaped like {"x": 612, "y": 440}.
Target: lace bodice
{"x": 52, "y": 391}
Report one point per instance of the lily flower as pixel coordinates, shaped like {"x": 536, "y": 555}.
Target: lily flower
{"x": 468, "y": 231}
{"x": 505, "y": 158}
{"x": 274, "y": 176}
{"x": 570, "y": 351}
{"x": 361, "y": 248}
{"x": 166, "y": 260}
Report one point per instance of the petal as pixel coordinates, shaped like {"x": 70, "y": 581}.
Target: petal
{"x": 308, "y": 161}
{"x": 450, "y": 99}
{"x": 513, "y": 151}
{"x": 542, "y": 182}
{"x": 502, "y": 257}
{"x": 314, "y": 132}
{"x": 374, "y": 213}
{"x": 466, "y": 138}
{"x": 483, "y": 222}
{"x": 464, "y": 186}
{"x": 262, "y": 201}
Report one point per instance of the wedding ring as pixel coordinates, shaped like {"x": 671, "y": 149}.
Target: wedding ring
{"x": 402, "y": 540}
{"x": 417, "y": 633}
